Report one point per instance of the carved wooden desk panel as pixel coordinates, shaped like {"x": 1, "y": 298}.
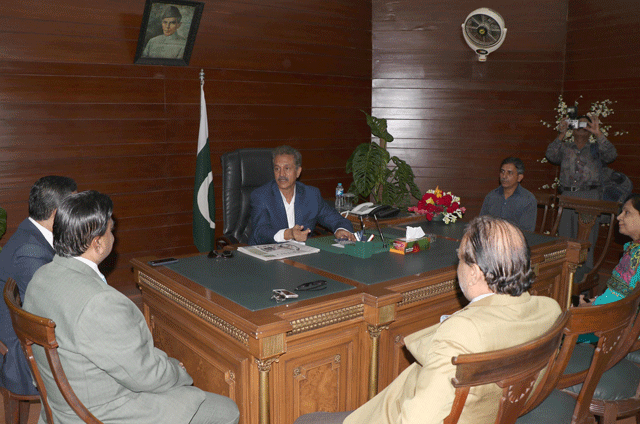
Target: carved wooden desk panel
{"x": 331, "y": 353}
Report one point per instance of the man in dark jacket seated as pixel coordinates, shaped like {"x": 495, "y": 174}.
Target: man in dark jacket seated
{"x": 285, "y": 209}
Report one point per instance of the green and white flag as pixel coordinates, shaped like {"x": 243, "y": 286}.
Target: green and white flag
{"x": 204, "y": 207}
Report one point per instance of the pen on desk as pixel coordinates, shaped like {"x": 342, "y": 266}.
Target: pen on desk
{"x": 371, "y": 237}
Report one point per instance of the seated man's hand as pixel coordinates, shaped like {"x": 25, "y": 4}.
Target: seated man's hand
{"x": 297, "y": 233}
{"x": 344, "y": 234}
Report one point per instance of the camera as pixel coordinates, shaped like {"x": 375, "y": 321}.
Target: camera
{"x": 574, "y": 123}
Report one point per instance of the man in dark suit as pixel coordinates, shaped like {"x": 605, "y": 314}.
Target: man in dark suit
{"x": 285, "y": 209}
{"x": 30, "y": 247}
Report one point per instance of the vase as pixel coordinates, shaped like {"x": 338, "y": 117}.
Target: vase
{"x": 438, "y": 218}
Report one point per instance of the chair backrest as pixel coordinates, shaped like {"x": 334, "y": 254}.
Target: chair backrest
{"x": 514, "y": 369}
{"x": 588, "y": 212}
{"x": 616, "y": 325}
{"x": 243, "y": 171}
{"x": 546, "y": 201}
{"x": 32, "y": 329}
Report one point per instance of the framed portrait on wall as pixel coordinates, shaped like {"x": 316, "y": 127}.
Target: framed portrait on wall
{"x": 168, "y": 32}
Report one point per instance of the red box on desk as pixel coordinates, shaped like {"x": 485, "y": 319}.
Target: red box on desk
{"x": 405, "y": 247}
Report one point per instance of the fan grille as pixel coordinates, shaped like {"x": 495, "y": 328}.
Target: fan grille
{"x": 483, "y": 30}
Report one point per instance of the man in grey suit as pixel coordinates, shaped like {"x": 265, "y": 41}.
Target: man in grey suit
{"x": 106, "y": 348}
{"x": 30, "y": 247}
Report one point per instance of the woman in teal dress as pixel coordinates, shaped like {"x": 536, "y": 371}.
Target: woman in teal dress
{"x": 625, "y": 276}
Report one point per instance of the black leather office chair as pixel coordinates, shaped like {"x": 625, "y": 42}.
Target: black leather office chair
{"x": 243, "y": 171}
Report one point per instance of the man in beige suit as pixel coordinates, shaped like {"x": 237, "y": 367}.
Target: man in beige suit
{"x": 494, "y": 273}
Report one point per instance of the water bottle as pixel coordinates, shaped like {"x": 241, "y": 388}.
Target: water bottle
{"x": 339, "y": 197}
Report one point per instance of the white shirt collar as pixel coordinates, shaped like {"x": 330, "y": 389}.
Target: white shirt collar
{"x": 93, "y": 266}
{"x": 482, "y": 296}
{"x": 48, "y": 235}
{"x": 289, "y": 208}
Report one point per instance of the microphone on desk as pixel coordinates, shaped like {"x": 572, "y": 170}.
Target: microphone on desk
{"x": 384, "y": 243}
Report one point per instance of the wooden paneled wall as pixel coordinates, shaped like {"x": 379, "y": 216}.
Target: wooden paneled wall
{"x": 455, "y": 118}
{"x": 603, "y": 62}
{"x": 73, "y": 103}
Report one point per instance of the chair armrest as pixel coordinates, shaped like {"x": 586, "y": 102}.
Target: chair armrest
{"x": 226, "y": 242}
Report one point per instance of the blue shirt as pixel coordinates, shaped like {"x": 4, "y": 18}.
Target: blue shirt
{"x": 521, "y": 208}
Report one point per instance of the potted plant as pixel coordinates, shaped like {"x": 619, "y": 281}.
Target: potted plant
{"x": 388, "y": 179}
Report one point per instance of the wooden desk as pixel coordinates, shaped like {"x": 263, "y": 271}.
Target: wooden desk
{"x": 329, "y": 353}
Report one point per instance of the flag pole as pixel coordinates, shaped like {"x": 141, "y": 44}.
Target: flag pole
{"x": 203, "y": 196}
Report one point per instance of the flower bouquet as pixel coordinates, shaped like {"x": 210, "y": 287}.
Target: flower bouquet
{"x": 438, "y": 205}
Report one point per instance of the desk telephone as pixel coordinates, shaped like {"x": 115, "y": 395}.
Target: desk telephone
{"x": 381, "y": 211}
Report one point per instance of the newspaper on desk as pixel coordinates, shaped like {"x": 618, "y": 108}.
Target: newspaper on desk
{"x": 268, "y": 252}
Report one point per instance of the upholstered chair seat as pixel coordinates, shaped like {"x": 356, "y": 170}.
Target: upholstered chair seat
{"x": 557, "y": 408}
{"x": 634, "y": 356}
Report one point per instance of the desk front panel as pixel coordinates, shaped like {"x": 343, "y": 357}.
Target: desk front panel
{"x": 318, "y": 353}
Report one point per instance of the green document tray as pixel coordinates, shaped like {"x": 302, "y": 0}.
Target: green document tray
{"x": 360, "y": 249}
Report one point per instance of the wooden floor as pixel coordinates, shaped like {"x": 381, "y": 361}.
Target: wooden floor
{"x": 35, "y": 411}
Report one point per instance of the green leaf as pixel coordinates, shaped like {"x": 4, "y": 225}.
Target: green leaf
{"x": 378, "y": 127}
{"x": 373, "y": 175}
{"x": 368, "y": 164}
{"x": 400, "y": 186}
{"x": 3, "y": 222}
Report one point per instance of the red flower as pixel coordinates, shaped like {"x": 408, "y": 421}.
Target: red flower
{"x": 433, "y": 208}
{"x": 453, "y": 207}
{"x": 444, "y": 200}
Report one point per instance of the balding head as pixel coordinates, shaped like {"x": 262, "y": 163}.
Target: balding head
{"x": 501, "y": 252}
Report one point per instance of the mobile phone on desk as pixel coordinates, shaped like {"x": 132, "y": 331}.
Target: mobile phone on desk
{"x": 164, "y": 261}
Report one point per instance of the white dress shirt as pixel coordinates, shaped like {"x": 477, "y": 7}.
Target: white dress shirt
{"x": 48, "y": 235}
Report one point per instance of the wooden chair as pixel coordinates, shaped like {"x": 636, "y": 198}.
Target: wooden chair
{"x": 32, "y": 329}
{"x": 515, "y": 370}
{"x": 588, "y": 212}
{"x": 16, "y": 407}
{"x": 617, "y": 394}
{"x": 579, "y": 367}
{"x": 547, "y": 202}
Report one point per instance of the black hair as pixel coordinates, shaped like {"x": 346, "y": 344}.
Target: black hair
{"x": 47, "y": 193}
{"x": 80, "y": 218}
{"x": 501, "y": 252}
{"x": 517, "y": 162}
{"x": 635, "y": 200}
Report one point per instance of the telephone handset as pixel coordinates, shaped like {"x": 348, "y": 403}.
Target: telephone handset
{"x": 381, "y": 211}
{"x": 363, "y": 208}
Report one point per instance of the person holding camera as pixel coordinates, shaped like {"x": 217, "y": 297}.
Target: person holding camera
{"x": 581, "y": 167}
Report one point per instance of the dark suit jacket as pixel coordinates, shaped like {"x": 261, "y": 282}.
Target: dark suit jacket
{"x": 268, "y": 215}
{"x": 25, "y": 252}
